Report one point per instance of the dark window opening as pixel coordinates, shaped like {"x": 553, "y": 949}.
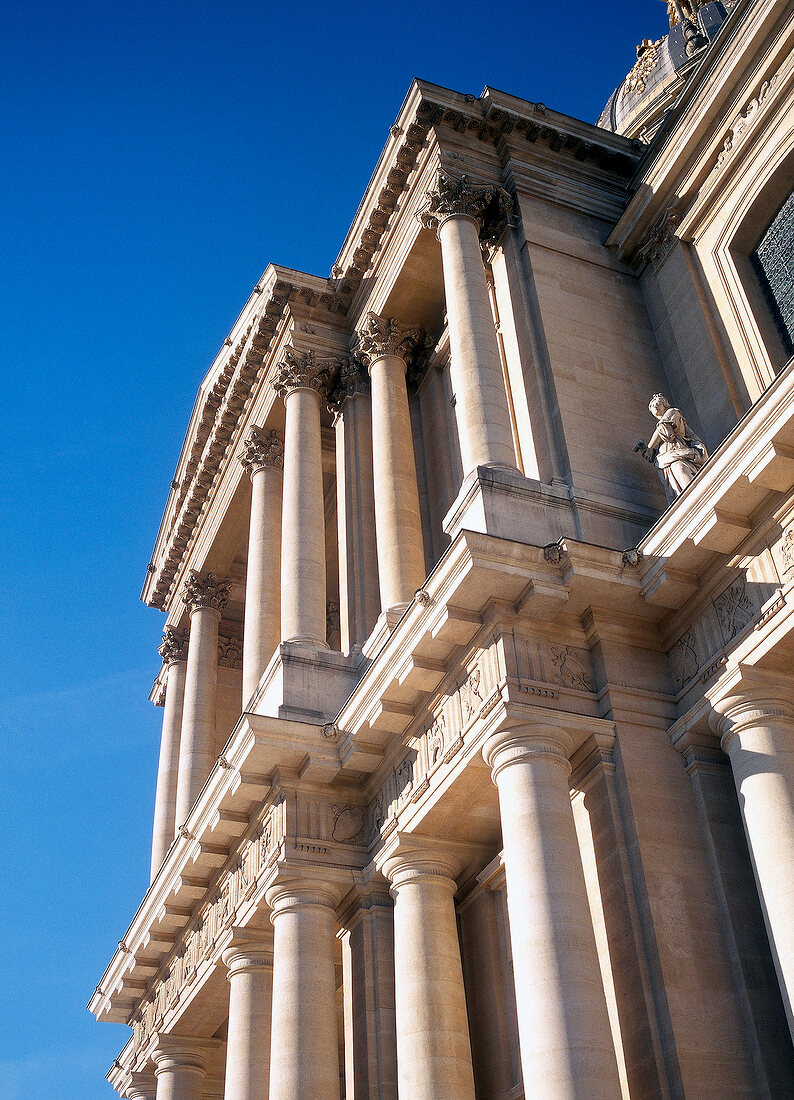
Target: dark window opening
{"x": 773, "y": 263}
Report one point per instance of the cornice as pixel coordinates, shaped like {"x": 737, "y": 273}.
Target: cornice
{"x": 222, "y": 399}
{"x": 487, "y": 119}
{"x": 680, "y": 160}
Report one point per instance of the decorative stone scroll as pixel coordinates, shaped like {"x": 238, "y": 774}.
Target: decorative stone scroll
{"x": 661, "y": 239}
{"x": 206, "y": 591}
{"x": 490, "y": 206}
{"x": 380, "y": 336}
{"x": 261, "y": 448}
{"x": 304, "y": 370}
{"x": 173, "y": 646}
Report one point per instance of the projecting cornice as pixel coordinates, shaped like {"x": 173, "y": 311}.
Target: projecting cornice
{"x": 221, "y": 402}
{"x": 487, "y": 118}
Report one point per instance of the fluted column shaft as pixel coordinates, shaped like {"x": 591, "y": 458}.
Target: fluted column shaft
{"x": 386, "y": 347}
{"x": 359, "y": 595}
{"x": 304, "y": 1053}
{"x": 566, "y": 1046}
{"x": 181, "y": 1067}
{"x": 458, "y": 210}
{"x": 263, "y": 457}
{"x": 205, "y": 598}
{"x": 302, "y": 380}
{"x": 433, "y": 1049}
{"x": 174, "y": 654}
{"x": 757, "y": 733}
{"x": 250, "y": 973}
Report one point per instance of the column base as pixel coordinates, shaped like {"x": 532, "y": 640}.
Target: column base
{"x": 304, "y": 683}
{"x": 501, "y": 502}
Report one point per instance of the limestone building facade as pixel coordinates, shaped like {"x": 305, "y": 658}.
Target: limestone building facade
{"x": 477, "y": 763}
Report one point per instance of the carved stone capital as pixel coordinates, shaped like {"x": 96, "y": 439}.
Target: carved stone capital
{"x": 260, "y": 449}
{"x": 173, "y": 646}
{"x": 206, "y": 591}
{"x": 353, "y": 379}
{"x": 301, "y": 370}
{"x": 380, "y": 336}
{"x": 490, "y": 207}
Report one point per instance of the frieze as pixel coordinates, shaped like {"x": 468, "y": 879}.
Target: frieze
{"x": 198, "y": 943}
{"x": 735, "y": 610}
{"x": 230, "y": 652}
{"x": 439, "y": 740}
{"x": 744, "y": 122}
{"x": 570, "y": 668}
{"x": 787, "y": 551}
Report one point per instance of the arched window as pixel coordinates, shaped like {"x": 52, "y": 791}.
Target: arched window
{"x": 773, "y": 263}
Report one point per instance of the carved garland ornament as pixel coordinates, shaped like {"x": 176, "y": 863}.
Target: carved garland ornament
{"x": 260, "y": 449}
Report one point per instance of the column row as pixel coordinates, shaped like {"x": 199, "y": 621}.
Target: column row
{"x": 282, "y": 1037}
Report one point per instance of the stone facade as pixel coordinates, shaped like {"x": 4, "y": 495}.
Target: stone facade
{"x": 477, "y": 769}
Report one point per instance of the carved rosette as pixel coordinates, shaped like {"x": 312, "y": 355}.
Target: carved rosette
{"x": 206, "y": 591}
{"x": 491, "y": 207}
{"x": 380, "y": 336}
{"x": 353, "y": 379}
{"x": 260, "y": 449}
{"x": 302, "y": 370}
{"x": 173, "y": 646}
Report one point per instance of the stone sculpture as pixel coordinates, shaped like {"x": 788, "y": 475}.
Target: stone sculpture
{"x": 674, "y": 449}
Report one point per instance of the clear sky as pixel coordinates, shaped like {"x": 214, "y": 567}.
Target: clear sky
{"x": 157, "y": 156}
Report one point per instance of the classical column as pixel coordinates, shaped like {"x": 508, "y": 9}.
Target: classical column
{"x": 433, "y": 1050}
{"x": 174, "y": 653}
{"x": 566, "y": 1044}
{"x": 205, "y": 598}
{"x": 368, "y": 991}
{"x": 459, "y": 211}
{"x": 304, "y": 1052}
{"x": 181, "y": 1066}
{"x": 303, "y": 382}
{"x": 385, "y": 347}
{"x": 142, "y": 1086}
{"x": 250, "y": 972}
{"x": 359, "y": 597}
{"x": 756, "y": 727}
{"x": 263, "y": 458}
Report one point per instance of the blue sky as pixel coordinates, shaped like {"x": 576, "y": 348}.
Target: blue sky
{"x": 156, "y": 158}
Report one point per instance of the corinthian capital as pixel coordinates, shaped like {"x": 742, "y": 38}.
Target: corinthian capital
{"x": 261, "y": 448}
{"x": 380, "y": 336}
{"x": 173, "y": 646}
{"x": 303, "y": 370}
{"x": 206, "y": 591}
{"x": 489, "y": 206}
{"x": 353, "y": 378}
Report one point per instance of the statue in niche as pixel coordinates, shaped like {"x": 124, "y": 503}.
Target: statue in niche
{"x": 674, "y": 449}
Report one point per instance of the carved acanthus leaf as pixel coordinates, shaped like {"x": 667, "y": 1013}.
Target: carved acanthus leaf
{"x": 261, "y": 448}
{"x": 305, "y": 370}
{"x": 353, "y": 378}
{"x": 490, "y": 206}
{"x": 379, "y": 336}
{"x": 173, "y": 646}
{"x": 206, "y": 591}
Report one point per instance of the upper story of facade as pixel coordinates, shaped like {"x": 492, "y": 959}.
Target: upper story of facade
{"x": 396, "y": 477}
